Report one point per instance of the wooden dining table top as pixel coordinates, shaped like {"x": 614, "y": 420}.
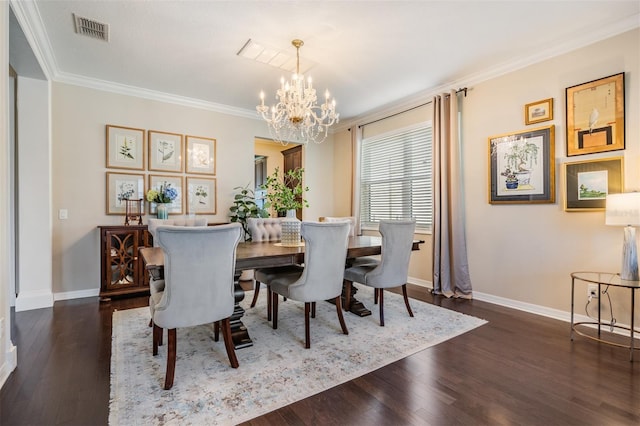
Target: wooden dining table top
{"x": 252, "y": 255}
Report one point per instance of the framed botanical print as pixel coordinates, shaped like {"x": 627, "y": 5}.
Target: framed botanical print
{"x": 201, "y": 195}
{"x": 595, "y": 116}
{"x": 587, "y": 183}
{"x": 201, "y": 155}
{"x": 125, "y": 148}
{"x": 522, "y": 167}
{"x": 121, "y": 187}
{"x": 165, "y": 151}
{"x": 158, "y": 182}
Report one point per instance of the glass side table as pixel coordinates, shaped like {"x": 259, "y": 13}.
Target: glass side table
{"x": 605, "y": 279}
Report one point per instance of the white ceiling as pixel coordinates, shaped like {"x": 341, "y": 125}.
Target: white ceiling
{"x": 367, "y": 53}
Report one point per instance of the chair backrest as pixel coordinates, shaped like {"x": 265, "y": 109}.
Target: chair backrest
{"x": 324, "y": 256}
{"x": 199, "y": 266}
{"x": 349, "y": 219}
{"x": 265, "y": 229}
{"x": 397, "y": 242}
{"x": 153, "y": 224}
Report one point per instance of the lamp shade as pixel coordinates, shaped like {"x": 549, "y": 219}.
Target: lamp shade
{"x": 623, "y": 209}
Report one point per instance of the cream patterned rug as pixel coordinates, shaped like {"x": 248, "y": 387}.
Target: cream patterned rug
{"x": 275, "y": 371}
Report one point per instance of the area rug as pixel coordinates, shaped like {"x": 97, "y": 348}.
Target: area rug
{"x": 275, "y": 371}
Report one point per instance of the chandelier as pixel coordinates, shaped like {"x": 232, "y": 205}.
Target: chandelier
{"x": 297, "y": 117}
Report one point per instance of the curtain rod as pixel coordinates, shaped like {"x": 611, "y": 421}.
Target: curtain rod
{"x": 464, "y": 89}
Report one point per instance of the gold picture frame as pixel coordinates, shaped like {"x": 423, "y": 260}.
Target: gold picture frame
{"x": 538, "y": 112}
{"x": 201, "y": 195}
{"x": 595, "y": 116}
{"x": 165, "y": 151}
{"x": 201, "y": 155}
{"x": 125, "y": 148}
{"x": 587, "y": 183}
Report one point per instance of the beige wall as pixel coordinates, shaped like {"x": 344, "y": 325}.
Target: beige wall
{"x": 526, "y": 252}
{"x": 79, "y": 118}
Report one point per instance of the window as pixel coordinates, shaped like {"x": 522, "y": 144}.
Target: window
{"x": 395, "y": 177}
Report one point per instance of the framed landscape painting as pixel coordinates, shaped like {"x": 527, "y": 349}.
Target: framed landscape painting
{"x": 589, "y": 182}
{"x": 537, "y": 112}
{"x": 125, "y": 148}
{"x": 522, "y": 167}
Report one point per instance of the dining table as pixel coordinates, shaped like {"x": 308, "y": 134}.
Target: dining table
{"x": 255, "y": 255}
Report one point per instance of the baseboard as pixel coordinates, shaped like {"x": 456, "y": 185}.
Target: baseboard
{"x": 419, "y": 282}
{"x": 27, "y": 301}
{"x": 10, "y": 364}
{"x": 78, "y": 294}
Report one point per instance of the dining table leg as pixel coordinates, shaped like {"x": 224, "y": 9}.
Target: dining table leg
{"x": 239, "y": 332}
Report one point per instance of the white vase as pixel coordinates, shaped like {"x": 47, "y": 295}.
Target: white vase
{"x": 290, "y": 229}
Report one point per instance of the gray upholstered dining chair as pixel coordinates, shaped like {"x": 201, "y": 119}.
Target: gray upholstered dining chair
{"x": 321, "y": 278}
{"x": 351, "y": 220}
{"x": 152, "y": 225}
{"x": 393, "y": 270}
{"x": 266, "y": 229}
{"x": 199, "y": 266}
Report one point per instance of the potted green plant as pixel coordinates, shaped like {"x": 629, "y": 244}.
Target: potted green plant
{"x": 285, "y": 191}
{"x": 244, "y": 206}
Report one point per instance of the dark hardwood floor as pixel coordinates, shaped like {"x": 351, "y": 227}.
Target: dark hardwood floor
{"x": 517, "y": 369}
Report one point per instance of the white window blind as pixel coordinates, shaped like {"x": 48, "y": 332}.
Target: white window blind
{"x": 395, "y": 179}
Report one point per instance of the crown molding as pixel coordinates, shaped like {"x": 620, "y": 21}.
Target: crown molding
{"x": 30, "y": 20}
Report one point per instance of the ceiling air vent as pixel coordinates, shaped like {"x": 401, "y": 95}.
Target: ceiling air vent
{"x": 91, "y": 28}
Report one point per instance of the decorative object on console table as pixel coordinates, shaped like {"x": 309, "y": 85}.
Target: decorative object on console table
{"x": 121, "y": 269}
{"x": 133, "y": 211}
{"x": 595, "y": 116}
{"x": 162, "y": 210}
{"x": 624, "y": 210}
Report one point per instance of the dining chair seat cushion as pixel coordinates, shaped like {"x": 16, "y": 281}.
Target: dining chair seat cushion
{"x": 358, "y": 273}
{"x": 363, "y": 261}
{"x": 266, "y": 275}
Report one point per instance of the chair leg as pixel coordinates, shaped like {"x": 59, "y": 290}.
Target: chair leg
{"x": 380, "y": 293}
{"x": 313, "y": 309}
{"x": 375, "y": 296}
{"x": 256, "y": 292}
{"x": 269, "y": 305}
{"x": 347, "y": 294}
{"x": 216, "y": 331}
{"x": 274, "y": 306}
{"x": 150, "y": 322}
{"x": 307, "y": 336}
{"x": 171, "y": 359}
{"x": 157, "y": 334}
{"x": 406, "y": 299}
{"x": 340, "y": 317}
{"x": 228, "y": 342}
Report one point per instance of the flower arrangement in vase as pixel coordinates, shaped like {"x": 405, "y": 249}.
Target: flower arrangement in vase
{"x": 162, "y": 196}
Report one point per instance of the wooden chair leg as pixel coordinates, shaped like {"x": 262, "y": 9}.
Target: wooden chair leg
{"x": 406, "y": 299}
{"x": 274, "y": 306}
{"x": 375, "y": 296}
{"x": 150, "y": 322}
{"x": 340, "y": 317}
{"x": 228, "y": 342}
{"x": 313, "y": 309}
{"x": 171, "y": 359}
{"x": 269, "y": 305}
{"x": 256, "y": 292}
{"x": 157, "y": 334}
{"x": 347, "y": 294}
{"x": 216, "y": 331}
{"x": 380, "y": 293}
{"x": 307, "y": 336}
